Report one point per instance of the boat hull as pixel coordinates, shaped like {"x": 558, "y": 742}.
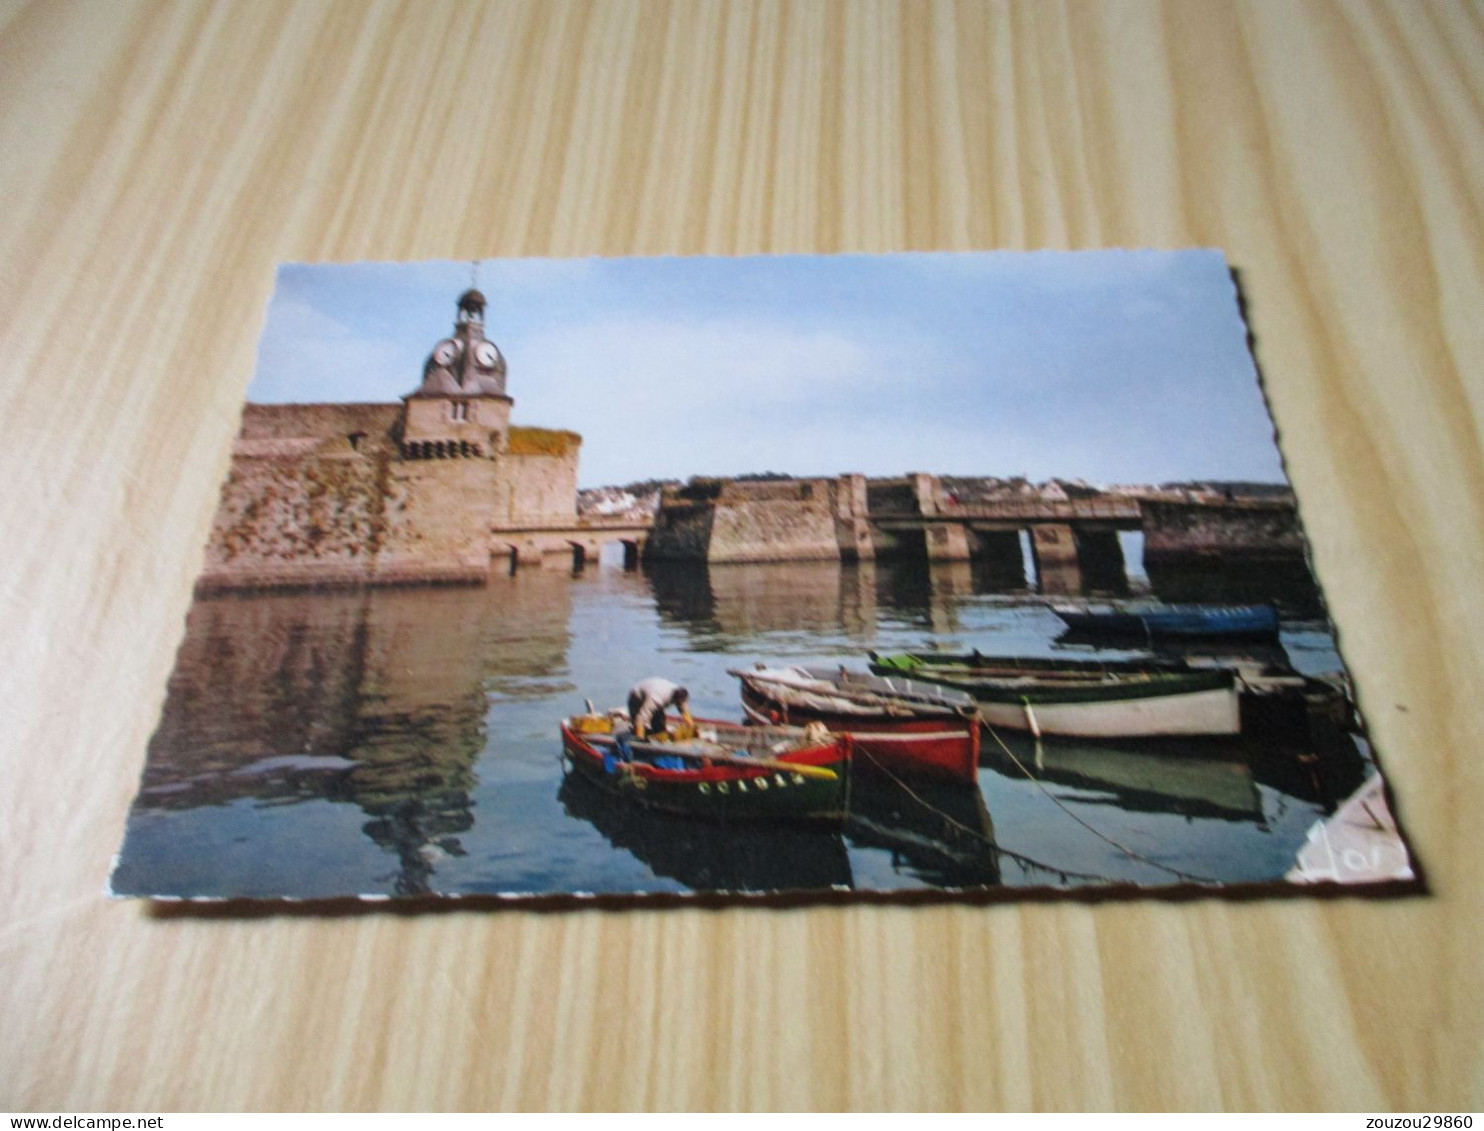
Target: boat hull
{"x": 1212, "y": 712}
{"x": 1252, "y": 622}
{"x": 943, "y": 746}
{"x": 724, "y": 792}
{"x": 1079, "y": 700}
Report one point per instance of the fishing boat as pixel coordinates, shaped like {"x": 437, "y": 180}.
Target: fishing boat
{"x": 1079, "y": 698}
{"x": 718, "y": 770}
{"x": 1153, "y": 621}
{"x": 895, "y": 724}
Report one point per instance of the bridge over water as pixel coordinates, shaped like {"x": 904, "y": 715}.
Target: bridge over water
{"x": 580, "y": 542}
{"x": 1072, "y": 530}
{"x": 1069, "y": 532}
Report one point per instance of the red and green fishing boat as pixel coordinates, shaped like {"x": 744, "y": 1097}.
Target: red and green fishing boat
{"x": 716, "y": 770}
{"x": 897, "y": 726}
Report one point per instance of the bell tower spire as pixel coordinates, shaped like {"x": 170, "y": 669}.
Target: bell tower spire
{"x": 461, "y": 407}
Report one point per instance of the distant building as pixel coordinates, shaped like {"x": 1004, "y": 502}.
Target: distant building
{"x": 431, "y": 490}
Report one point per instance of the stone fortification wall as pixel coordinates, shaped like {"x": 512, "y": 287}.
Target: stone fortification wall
{"x": 438, "y": 519}
{"x": 318, "y": 421}
{"x": 319, "y": 495}
{"x": 541, "y": 477}
{"x": 304, "y": 499}
{"x": 763, "y": 521}
{"x": 1228, "y": 529}
{"x": 682, "y": 531}
{"x": 773, "y": 530}
{"x": 891, "y": 497}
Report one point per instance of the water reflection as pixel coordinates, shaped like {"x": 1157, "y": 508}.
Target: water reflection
{"x": 939, "y": 833}
{"x": 404, "y": 741}
{"x": 1286, "y": 583}
{"x": 375, "y": 699}
{"x": 730, "y": 602}
{"x": 706, "y": 857}
{"x": 1189, "y": 778}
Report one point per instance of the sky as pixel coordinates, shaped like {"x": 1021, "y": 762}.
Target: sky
{"x": 1109, "y": 366}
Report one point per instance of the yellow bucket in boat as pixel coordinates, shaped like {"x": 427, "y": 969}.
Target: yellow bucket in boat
{"x": 592, "y": 724}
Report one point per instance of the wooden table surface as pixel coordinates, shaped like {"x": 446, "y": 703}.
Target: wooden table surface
{"x": 158, "y": 161}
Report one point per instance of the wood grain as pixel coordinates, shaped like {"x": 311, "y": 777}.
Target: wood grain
{"x": 161, "y": 158}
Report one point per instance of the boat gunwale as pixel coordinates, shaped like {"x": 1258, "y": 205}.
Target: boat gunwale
{"x": 914, "y": 705}
{"x": 1147, "y": 683}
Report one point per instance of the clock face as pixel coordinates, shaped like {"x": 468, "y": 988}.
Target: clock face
{"x": 445, "y": 352}
{"x": 486, "y": 354}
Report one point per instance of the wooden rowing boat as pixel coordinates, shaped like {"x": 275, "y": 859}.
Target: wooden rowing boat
{"x": 716, "y": 770}
{"x": 896, "y": 727}
{"x": 1082, "y": 699}
{"x": 1152, "y": 621}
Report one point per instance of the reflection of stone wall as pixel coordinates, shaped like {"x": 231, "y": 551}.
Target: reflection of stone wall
{"x": 376, "y": 698}
{"x": 256, "y": 678}
{"x": 744, "y": 600}
{"x": 785, "y": 596}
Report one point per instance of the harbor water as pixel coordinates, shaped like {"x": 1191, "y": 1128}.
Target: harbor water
{"x": 404, "y": 742}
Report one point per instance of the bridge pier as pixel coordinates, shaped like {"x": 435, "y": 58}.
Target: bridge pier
{"x": 854, "y": 536}
{"x": 949, "y": 582}
{"x": 1057, "y": 568}
{"x": 582, "y": 554}
{"x": 947, "y": 542}
{"x": 852, "y": 523}
{"x": 925, "y": 490}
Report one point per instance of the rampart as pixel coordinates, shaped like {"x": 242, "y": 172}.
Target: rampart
{"x": 323, "y": 494}
{"x": 953, "y": 519}
{"x": 1198, "y": 528}
{"x": 718, "y": 521}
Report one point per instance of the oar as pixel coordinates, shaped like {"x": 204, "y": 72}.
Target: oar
{"x": 820, "y": 773}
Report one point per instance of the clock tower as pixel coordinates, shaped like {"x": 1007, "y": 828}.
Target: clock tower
{"x": 460, "y": 411}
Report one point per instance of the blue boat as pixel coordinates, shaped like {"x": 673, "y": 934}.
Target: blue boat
{"x": 1149, "y": 621}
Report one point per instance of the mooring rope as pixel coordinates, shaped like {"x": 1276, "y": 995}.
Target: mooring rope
{"x": 1019, "y": 858}
{"x": 1058, "y": 802}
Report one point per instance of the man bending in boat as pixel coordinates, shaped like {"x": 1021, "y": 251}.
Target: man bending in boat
{"x": 648, "y": 701}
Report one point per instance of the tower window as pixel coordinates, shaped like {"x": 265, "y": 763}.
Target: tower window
{"x": 460, "y": 410}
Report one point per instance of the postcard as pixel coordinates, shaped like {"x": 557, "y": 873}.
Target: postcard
{"x": 972, "y": 575}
